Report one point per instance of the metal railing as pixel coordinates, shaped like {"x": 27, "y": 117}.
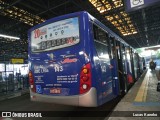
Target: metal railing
{"x": 11, "y": 83}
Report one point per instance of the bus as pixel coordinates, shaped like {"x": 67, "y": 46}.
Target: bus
{"x": 76, "y": 60}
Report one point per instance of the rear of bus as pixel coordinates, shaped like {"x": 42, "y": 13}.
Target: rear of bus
{"x": 60, "y": 67}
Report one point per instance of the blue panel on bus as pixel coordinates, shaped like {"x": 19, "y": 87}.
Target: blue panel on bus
{"x": 38, "y": 89}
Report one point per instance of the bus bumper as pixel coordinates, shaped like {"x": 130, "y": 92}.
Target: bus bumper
{"x": 88, "y": 99}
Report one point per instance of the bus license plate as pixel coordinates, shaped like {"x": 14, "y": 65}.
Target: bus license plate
{"x": 55, "y": 90}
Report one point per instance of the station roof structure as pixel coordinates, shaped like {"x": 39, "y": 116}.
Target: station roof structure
{"x": 140, "y": 28}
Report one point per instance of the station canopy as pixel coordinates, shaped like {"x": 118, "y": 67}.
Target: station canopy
{"x": 139, "y": 28}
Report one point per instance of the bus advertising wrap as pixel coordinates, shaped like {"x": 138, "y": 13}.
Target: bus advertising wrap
{"x": 56, "y": 35}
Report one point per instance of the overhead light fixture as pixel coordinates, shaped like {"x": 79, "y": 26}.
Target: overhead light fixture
{"x": 10, "y": 37}
{"x": 121, "y": 20}
{"x": 19, "y": 14}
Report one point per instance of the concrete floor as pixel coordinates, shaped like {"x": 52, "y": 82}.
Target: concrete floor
{"x": 23, "y": 103}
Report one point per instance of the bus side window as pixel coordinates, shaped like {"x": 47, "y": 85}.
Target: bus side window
{"x": 100, "y": 40}
{"x": 100, "y": 35}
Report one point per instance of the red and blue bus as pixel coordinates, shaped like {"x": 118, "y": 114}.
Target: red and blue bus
{"x": 76, "y": 60}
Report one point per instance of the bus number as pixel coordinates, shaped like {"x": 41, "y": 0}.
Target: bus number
{"x": 58, "y": 68}
{"x": 103, "y": 68}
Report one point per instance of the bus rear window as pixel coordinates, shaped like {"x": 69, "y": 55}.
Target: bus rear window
{"x": 55, "y": 35}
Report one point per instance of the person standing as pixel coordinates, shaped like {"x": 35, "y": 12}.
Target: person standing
{"x": 152, "y": 65}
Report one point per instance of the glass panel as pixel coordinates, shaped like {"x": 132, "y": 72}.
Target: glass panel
{"x": 55, "y": 35}
{"x": 101, "y": 39}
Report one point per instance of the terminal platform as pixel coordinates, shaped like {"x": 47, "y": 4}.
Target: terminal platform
{"x": 142, "y": 101}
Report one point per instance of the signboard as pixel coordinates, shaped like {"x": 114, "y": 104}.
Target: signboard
{"x": 136, "y": 3}
{"x": 17, "y": 61}
{"x": 55, "y": 35}
{"x": 132, "y": 5}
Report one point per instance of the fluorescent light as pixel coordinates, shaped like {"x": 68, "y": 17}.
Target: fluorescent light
{"x": 11, "y": 37}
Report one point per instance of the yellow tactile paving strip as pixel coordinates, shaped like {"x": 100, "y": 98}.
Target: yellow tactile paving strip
{"x": 142, "y": 92}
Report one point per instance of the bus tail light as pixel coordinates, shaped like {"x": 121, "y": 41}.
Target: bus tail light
{"x": 31, "y": 82}
{"x": 85, "y": 78}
